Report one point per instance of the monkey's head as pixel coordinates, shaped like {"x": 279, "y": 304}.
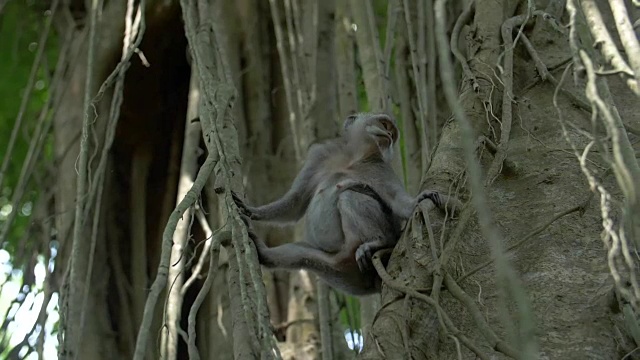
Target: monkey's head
{"x": 379, "y": 131}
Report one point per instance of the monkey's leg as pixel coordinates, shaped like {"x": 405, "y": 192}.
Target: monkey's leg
{"x": 300, "y": 255}
{"x": 336, "y": 269}
{"x": 365, "y": 224}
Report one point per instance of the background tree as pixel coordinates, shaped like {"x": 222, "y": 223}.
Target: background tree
{"x": 124, "y": 126}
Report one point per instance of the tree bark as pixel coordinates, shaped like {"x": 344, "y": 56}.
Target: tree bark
{"x": 456, "y": 290}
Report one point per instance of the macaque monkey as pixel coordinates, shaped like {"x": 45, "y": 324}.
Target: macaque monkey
{"x": 354, "y": 204}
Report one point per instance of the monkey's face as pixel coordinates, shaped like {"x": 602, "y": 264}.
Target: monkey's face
{"x": 378, "y": 130}
{"x": 382, "y": 129}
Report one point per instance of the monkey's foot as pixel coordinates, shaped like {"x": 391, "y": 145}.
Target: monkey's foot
{"x": 434, "y": 196}
{"x": 246, "y": 220}
{"x": 245, "y": 211}
{"x": 239, "y": 202}
{"x": 364, "y": 253}
{"x": 252, "y": 235}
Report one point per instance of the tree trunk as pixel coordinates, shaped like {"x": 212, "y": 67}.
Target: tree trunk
{"x": 540, "y": 261}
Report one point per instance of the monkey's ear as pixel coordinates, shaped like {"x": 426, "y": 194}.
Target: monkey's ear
{"x": 350, "y": 120}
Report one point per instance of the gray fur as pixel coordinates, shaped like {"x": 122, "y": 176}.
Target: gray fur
{"x": 343, "y": 228}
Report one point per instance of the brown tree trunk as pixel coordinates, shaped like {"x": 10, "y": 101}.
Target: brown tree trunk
{"x": 524, "y": 270}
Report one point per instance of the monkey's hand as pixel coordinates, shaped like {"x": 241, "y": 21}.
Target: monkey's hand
{"x": 443, "y": 202}
{"x": 364, "y": 253}
{"x": 363, "y": 257}
{"x": 244, "y": 208}
{"x": 434, "y": 196}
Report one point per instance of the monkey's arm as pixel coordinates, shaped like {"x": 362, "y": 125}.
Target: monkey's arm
{"x": 398, "y": 201}
{"x": 393, "y": 199}
{"x": 402, "y": 204}
{"x": 291, "y": 206}
{"x": 295, "y": 255}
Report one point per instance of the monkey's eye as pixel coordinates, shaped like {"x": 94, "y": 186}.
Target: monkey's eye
{"x": 350, "y": 120}
{"x": 390, "y": 127}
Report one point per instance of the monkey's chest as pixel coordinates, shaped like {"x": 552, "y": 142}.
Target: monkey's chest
{"x": 326, "y": 188}
{"x": 323, "y": 225}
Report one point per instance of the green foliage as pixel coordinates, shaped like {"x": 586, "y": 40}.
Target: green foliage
{"x": 349, "y": 313}
{"x": 20, "y": 29}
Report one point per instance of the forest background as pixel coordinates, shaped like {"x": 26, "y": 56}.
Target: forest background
{"x": 125, "y": 124}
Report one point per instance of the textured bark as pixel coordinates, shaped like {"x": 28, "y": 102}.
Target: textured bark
{"x": 140, "y": 165}
{"x": 261, "y": 161}
{"x": 370, "y": 56}
{"x": 345, "y": 61}
{"x": 539, "y": 203}
{"x": 559, "y": 259}
{"x": 324, "y": 110}
{"x": 109, "y": 296}
{"x": 252, "y": 334}
{"x": 412, "y": 261}
{"x": 403, "y": 96}
{"x": 217, "y": 341}
{"x": 67, "y": 125}
{"x": 188, "y": 170}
